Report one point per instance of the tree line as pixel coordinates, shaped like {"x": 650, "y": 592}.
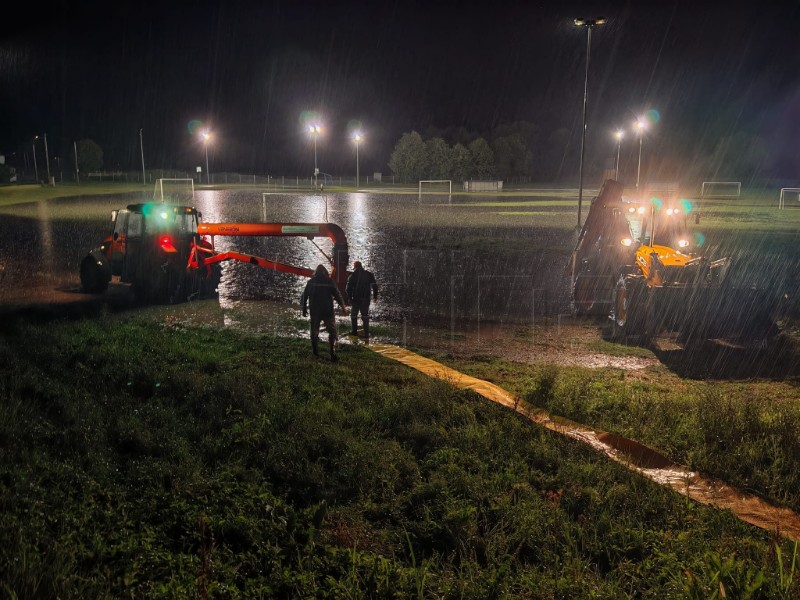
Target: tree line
{"x": 523, "y": 150}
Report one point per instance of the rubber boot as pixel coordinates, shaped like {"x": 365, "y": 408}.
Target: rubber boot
{"x": 315, "y": 346}
{"x": 332, "y": 343}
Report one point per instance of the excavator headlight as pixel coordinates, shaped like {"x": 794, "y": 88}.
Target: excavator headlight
{"x": 640, "y": 210}
{"x": 670, "y": 211}
{"x": 683, "y": 243}
{"x": 626, "y": 242}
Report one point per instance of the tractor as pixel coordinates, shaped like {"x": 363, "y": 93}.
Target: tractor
{"x": 637, "y": 263}
{"x": 167, "y": 253}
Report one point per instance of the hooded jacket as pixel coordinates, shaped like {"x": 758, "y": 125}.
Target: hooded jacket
{"x": 320, "y": 292}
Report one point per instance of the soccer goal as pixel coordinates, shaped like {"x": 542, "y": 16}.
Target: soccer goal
{"x": 721, "y": 189}
{"x": 436, "y": 186}
{"x": 176, "y": 191}
{"x": 792, "y": 194}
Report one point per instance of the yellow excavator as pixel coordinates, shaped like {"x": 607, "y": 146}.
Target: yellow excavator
{"x": 639, "y": 264}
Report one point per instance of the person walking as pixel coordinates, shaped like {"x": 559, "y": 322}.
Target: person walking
{"x": 319, "y": 293}
{"x": 360, "y": 286}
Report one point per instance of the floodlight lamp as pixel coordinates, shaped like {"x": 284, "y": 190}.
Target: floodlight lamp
{"x": 581, "y": 22}
{"x": 358, "y": 137}
{"x": 640, "y": 125}
{"x": 206, "y": 136}
{"x": 619, "y": 134}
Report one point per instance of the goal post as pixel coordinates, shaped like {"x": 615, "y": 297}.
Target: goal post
{"x": 721, "y": 189}
{"x": 788, "y": 193}
{"x": 174, "y": 190}
{"x": 437, "y": 186}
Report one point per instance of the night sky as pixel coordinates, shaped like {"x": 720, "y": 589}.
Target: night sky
{"x": 250, "y": 70}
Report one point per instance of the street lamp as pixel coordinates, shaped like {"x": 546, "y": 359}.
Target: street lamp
{"x": 357, "y": 137}
{"x": 619, "y": 135}
{"x": 589, "y": 24}
{"x": 315, "y": 130}
{"x": 35, "y": 167}
{"x": 206, "y": 136}
{"x": 640, "y": 127}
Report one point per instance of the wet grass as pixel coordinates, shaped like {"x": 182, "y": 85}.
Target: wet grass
{"x": 144, "y": 460}
{"x": 746, "y": 432}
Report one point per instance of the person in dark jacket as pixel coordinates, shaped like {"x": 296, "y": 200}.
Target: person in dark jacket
{"x": 360, "y": 286}
{"x": 319, "y": 293}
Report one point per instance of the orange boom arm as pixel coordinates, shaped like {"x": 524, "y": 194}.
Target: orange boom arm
{"x": 340, "y": 258}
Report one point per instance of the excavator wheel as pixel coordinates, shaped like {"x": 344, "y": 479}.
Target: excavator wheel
{"x": 630, "y": 318}
{"x": 94, "y": 279}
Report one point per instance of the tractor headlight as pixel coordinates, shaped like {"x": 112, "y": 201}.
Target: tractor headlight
{"x": 683, "y": 243}
{"x": 626, "y": 242}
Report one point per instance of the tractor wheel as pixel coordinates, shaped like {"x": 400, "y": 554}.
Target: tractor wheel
{"x": 209, "y": 286}
{"x": 93, "y": 276}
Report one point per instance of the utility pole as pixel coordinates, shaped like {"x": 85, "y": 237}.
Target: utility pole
{"x": 141, "y": 146}
{"x": 47, "y": 158}
{"x": 77, "y": 175}
{"x": 35, "y": 166}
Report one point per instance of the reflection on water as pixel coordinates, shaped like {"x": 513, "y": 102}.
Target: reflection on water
{"x": 453, "y": 260}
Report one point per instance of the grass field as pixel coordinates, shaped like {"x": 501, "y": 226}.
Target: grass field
{"x": 143, "y": 458}
{"x": 146, "y": 460}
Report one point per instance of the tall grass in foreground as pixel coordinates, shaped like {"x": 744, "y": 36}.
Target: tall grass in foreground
{"x": 139, "y": 460}
{"x": 745, "y": 432}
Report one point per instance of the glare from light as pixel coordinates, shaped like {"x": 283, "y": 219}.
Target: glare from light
{"x": 163, "y": 215}
{"x": 206, "y": 135}
{"x": 358, "y": 137}
{"x": 619, "y": 134}
{"x": 640, "y": 125}
{"x": 683, "y": 243}
{"x": 670, "y": 211}
{"x": 314, "y": 129}
{"x": 626, "y": 241}
{"x": 631, "y": 210}
{"x": 640, "y": 210}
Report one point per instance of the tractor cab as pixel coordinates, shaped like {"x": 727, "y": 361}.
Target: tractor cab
{"x": 149, "y": 231}
{"x": 150, "y": 246}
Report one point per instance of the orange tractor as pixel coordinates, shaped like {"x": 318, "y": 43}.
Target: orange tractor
{"x": 167, "y": 254}
{"x": 638, "y": 264}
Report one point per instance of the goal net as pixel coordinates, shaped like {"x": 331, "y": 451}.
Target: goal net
{"x": 174, "y": 191}
{"x": 721, "y": 189}
{"x": 789, "y": 197}
{"x": 435, "y": 186}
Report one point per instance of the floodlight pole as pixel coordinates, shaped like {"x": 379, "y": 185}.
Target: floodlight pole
{"x": 357, "y": 138}
{"x": 589, "y": 24}
{"x": 619, "y": 145}
{"x": 639, "y": 167}
{"x": 208, "y": 173}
